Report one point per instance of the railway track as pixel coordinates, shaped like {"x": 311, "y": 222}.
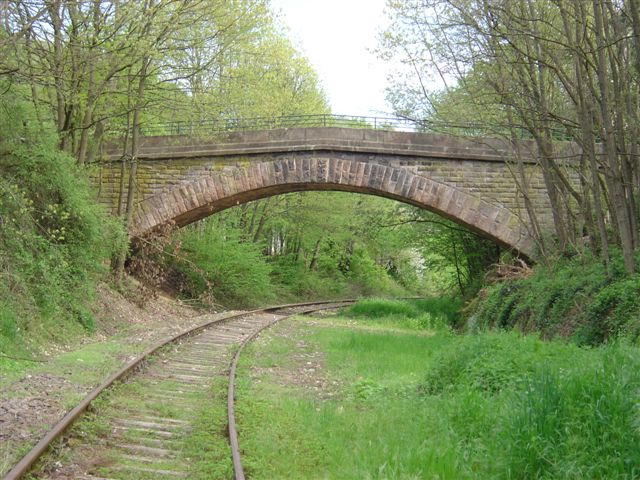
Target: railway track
{"x": 144, "y": 436}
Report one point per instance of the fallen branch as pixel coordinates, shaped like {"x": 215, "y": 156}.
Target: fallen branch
{"x": 500, "y": 272}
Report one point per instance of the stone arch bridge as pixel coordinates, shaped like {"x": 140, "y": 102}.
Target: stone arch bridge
{"x": 183, "y": 179}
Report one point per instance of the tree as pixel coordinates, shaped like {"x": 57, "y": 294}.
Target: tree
{"x": 552, "y": 70}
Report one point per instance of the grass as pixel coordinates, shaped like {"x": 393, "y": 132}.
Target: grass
{"x": 419, "y": 314}
{"x": 205, "y": 445}
{"x": 409, "y": 405}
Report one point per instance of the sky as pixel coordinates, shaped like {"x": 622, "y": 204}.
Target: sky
{"x": 336, "y": 36}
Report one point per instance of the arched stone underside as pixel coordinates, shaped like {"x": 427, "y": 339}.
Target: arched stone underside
{"x": 214, "y": 191}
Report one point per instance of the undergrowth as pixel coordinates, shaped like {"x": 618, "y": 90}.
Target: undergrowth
{"x": 424, "y": 313}
{"x": 491, "y": 405}
{"x": 572, "y": 298}
{"x": 216, "y": 265}
{"x": 53, "y": 236}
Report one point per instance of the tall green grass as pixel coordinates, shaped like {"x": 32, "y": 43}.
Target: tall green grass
{"x": 426, "y": 313}
{"x": 574, "y": 421}
{"x": 491, "y": 405}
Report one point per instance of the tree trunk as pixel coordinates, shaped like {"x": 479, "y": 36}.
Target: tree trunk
{"x": 314, "y": 256}
{"x": 614, "y": 174}
{"x": 263, "y": 219}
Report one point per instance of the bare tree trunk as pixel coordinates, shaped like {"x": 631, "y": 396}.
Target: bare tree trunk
{"x": 263, "y": 219}
{"x": 314, "y": 256}
{"x": 133, "y": 170}
{"x": 57, "y": 70}
{"x": 253, "y": 219}
{"x": 634, "y": 8}
{"x": 614, "y": 174}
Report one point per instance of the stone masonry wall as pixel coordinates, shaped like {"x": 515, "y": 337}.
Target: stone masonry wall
{"x": 482, "y": 168}
{"x": 494, "y": 182}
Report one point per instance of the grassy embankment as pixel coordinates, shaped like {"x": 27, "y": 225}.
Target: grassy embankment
{"x": 54, "y": 239}
{"x": 399, "y": 400}
{"x": 574, "y": 299}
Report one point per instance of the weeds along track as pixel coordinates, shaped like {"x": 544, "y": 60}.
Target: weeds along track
{"x": 140, "y": 431}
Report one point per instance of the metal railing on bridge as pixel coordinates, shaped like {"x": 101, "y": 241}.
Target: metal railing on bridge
{"x": 398, "y": 124}
{"x": 272, "y": 123}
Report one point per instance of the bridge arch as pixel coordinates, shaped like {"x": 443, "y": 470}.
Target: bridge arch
{"x": 213, "y": 191}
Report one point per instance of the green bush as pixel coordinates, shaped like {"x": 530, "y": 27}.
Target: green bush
{"x": 612, "y": 309}
{"x": 296, "y": 281}
{"x": 219, "y": 265}
{"x": 369, "y": 278}
{"x": 54, "y": 238}
{"x": 491, "y": 362}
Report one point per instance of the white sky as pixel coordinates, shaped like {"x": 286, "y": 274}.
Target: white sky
{"x": 335, "y": 35}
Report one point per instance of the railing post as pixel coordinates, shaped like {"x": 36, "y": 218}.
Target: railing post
{"x": 324, "y": 119}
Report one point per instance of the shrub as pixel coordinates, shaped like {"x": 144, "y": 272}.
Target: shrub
{"x": 575, "y": 298}
{"x": 370, "y": 279}
{"x": 610, "y": 311}
{"x": 54, "y": 238}
{"x": 219, "y": 265}
{"x": 490, "y": 362}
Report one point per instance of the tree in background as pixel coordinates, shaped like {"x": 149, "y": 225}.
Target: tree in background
{"x": 548, "y": 70}
{"x": 97, "y": 69}
{"x": 311, "y": 245}
{"x": 103, "y": 68}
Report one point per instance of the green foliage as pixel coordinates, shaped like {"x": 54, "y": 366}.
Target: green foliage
{"x": 316, "y": 245}
{"x": 225, "y": 268}
{"x": 490, "y": 362}
{"x": 54, "y": 238}
{"x": 579, "y": 421}
{"x": 426, "y": 314}
{"x": 369, "y": 278}
{"x": 493, "y": 405}
{"x": 574, "y": 298}
{"x": 452, "y": 257}
{"x": 376, "y": 308}
{"x": 295, "y": 280}
{"x": 446, "y": 307}
{"x": 614, "y": 310}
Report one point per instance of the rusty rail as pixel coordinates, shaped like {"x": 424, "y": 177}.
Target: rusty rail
{"x": 233, "y": 431}
{"x": 25, "y": 464}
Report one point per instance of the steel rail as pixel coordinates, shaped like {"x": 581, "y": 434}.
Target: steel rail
{"x": 232, "y": 428}
{"x": 25, "y": 464}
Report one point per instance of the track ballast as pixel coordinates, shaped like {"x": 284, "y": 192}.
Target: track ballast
{"x": 143, "y": 439}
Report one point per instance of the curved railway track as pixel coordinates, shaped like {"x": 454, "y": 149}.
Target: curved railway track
{"x": 144, "y": 437}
